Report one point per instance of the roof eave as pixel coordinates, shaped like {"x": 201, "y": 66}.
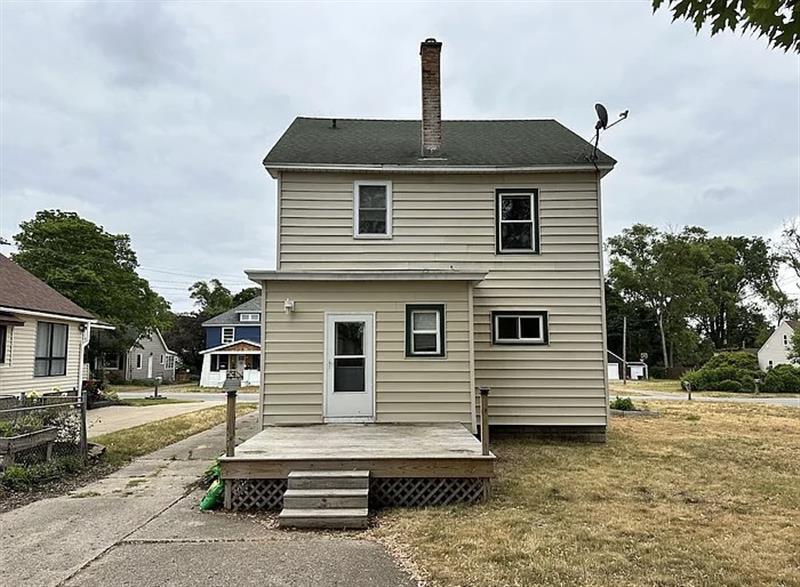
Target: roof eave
{"x": 273, "y": 168}
{"x": 259, "y": 275}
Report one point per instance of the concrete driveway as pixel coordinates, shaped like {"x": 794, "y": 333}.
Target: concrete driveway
{"x": 141, "y": 526}
{"x": 113, "y": 418}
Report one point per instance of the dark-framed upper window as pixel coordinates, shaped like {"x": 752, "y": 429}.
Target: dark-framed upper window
{"x": 425, "y": 332}
{"x": 372, "y": 209}
{"x": 51, "y": 350}
{"x": 520, "y": 327}
{"x": 3, "y": 338}
{"x": 517, "y": 220}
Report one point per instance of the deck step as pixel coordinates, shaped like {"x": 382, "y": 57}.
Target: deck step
{"x": 328, "y": 480}
{"x": 326, "y": 498}
{"x": 324, "y": 518}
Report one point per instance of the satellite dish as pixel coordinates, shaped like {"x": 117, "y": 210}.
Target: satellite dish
{"x": 602, "y": 117}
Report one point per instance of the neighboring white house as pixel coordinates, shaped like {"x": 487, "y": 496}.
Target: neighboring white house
{"x": 636, "y": 369}
{"x": 43, "y": 335}
{"x": 775, "y": 351}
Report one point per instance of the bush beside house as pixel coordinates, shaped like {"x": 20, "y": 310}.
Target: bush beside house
{"x": 782, "y": 378}
{"x": 734, "y": 371}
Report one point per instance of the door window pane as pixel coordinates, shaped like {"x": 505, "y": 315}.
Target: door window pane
{"x": 348, "y": 375}
{"x": 507, "y": 327}
{"x": 516, "y": 207}
{"x": 349, "y": 338}
{"x": 517, "y": 235}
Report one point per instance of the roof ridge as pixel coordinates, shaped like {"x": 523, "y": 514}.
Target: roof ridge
{"x": 348, "y": 119}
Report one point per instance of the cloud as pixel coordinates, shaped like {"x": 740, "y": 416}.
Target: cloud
{"x": 152, "y": 118}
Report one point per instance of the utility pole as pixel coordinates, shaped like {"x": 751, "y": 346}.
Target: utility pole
{"x": 624, "y": 350}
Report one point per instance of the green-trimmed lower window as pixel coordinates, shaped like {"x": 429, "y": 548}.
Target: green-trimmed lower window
{"x": 425, "y": 333}
{"x": 519, "y": 327}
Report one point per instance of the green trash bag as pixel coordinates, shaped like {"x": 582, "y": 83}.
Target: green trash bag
{"x": 213, "y": 496}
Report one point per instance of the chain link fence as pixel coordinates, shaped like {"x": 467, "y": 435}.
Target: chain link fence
{"x": 37, "y": 429}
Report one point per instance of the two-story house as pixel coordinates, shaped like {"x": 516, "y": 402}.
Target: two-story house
{"x": 233, "y": 344}
{"x": 420, "y": 260}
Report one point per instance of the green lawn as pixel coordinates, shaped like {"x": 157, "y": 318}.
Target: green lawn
{"x": 708, "y": 494}
{"x": 634, "y": 388}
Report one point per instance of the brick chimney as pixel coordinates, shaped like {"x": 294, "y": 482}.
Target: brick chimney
{"x": 430, "y": 50}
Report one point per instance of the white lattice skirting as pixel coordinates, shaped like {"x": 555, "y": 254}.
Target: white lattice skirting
{"x": 267, "y": 494}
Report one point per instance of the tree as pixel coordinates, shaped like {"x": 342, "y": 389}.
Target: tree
{"x": 93, "y": 268}
{"x": 246, "y": 295}
{"x": 211, "y": 296}
{"x": 185, "y": 337}
{"x": 777, "y": 20}
{"x": 660, "y": 271}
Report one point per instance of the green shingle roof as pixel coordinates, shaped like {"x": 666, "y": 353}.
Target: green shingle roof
{"x": 478, "y": 143}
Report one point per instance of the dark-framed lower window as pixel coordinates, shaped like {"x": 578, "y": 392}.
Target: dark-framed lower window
{"x": 3, "y": 343}
{"x": 51, "y": 350}
{"x": 520, "y": 327}
{"x": 517, "y": 220}
{"x": 425, "y": 331}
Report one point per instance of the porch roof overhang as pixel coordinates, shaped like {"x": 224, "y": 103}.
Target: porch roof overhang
{"x": 227, "y": 348}
{"x": 390, "y": 275}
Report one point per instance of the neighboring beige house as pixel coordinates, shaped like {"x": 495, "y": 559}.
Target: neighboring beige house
{"x": 775, "y": 350}
{"x": 420, "y": 260}
{"x": 43, "y": 335}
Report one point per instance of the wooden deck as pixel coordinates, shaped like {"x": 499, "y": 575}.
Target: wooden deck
{"x": 386, "y": 450}
{"x": 420, "y": 464}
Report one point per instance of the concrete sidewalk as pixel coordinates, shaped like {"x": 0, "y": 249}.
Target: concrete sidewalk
{"x": 141, "y": 526}
{"x": 113, "y": 418}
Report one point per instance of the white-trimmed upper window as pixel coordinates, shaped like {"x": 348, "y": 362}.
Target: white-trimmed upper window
{"x": 786, "y": 340}
{"x": 425, "y": 330}
{"x": 517, "y": 223}
{"x": 227, "y": 334}
{"x": 249, "y": 317}
{"x": 372, "y": 209}
{"x": 138, "y": 360}
{"x": 519, "y": 327}
{"x": 161, "y": 359}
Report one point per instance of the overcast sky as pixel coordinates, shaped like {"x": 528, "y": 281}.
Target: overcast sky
{"x": 152, "y": 118}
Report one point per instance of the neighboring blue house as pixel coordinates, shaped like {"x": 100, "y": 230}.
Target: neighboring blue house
{"x": 233, "y": 343}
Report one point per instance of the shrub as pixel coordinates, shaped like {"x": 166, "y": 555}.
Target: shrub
{"x": 624, "y": 404}
{"x": 782, "y": 379}
{"x": 729, "y": 385}
{"x": 735, "y": 371}
{"x": 18, "y": 477}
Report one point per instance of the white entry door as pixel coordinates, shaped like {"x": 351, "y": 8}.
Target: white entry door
{"x": 150, "y": 366}
{"x": 349, "y": 367}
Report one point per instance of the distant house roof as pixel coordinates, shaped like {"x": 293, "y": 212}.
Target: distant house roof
{"x": 793, "y": 324}
{"x": 466, "y": 143}
{"x": 22, "y": 290}
{"x": 230, "y": 317}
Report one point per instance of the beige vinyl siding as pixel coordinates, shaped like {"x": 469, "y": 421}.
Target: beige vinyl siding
{"x": 443, "y": 221}
{"x": 407, "y": 389}
{"x": 16, "y": 374}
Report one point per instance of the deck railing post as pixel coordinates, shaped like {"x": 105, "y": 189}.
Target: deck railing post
{"x": 230, "y": 421}
{"x": 484, "y": 391}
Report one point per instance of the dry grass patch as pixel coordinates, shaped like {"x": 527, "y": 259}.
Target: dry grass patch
{"x": 124, "y": 445}
{"x": 708, "y": 494}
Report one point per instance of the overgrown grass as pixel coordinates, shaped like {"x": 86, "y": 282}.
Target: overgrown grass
{"x": 708, "y": 494}
{"x": 124, "y": 445}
